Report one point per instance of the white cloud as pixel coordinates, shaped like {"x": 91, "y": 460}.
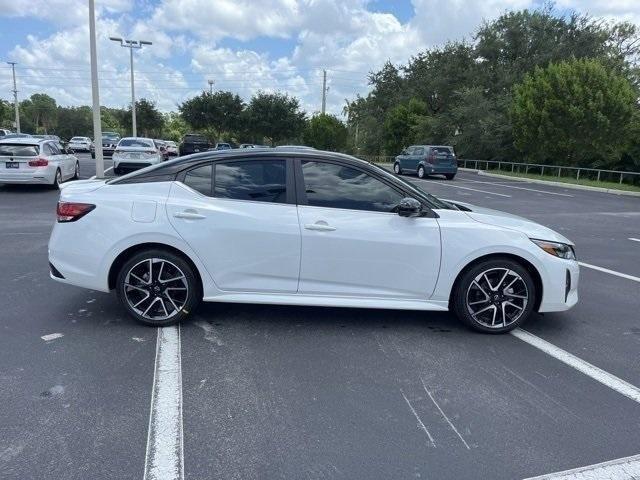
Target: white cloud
{"x": 60, "y": 12}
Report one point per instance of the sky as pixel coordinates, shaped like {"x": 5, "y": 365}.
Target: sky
{"x": 243, "y": 46}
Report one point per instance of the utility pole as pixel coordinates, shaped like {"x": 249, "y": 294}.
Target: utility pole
{"x": 15, "y": 96}
{"x": 131, "y": 45}
{"x": 211, "y": 82}
{"x": 324, "y": 91}
{"x": 95, "y": 93}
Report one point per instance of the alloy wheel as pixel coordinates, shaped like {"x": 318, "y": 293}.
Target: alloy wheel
{"x": 497, "y": 297}
{"x": 421, "y": 172}
{"x": 156, "y": 289}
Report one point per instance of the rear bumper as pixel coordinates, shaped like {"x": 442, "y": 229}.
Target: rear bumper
{"x": 440, "y": 169}
{"x": 130, "y": 166}
{"x": 43, "y": 176}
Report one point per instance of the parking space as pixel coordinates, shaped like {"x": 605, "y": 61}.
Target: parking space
{"x": 293, "y": 392}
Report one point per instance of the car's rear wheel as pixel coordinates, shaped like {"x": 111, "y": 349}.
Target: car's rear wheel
{"x": 158, "y": 288}
{"x": 76, "y": 173}
{"x": 57, "y": 179}
{"x": 450, "y": 176}
{"x": 494, "y": 296}
{"x": 421, "y": 172}
{"x": 396, "y": 169}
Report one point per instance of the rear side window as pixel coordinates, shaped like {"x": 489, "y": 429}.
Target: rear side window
{"x": 16, "y": 150}
{"x": 336, "y": 186}
{"x": 200, "y": 179}
{"x": 258, "y": 181}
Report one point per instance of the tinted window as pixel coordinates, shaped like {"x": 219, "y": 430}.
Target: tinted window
{"x": 55, "y": 149}
{"x": 16, "y": 150}
{"x": 199, "y": 179}
{"x": 195, "y": 138}
{"x": 336, "y": 186}
{"x": 136, "y": 142}
{"x": 418, "y": 151}
{"x": 442, "y": 150}
{"x": 261, "y": 180}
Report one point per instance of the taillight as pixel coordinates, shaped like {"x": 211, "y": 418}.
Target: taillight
{"x": 39, "y": 162}
{"x": 71, "y": 211}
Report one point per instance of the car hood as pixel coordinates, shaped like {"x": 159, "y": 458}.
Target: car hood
{"x": 513, "y": 222}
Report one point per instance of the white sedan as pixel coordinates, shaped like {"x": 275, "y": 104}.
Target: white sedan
{"x": 302, "y": 227}
{"x": 35, "y": 160}
{"x": 80, "y": 144}
{"x": 133, "y": 153}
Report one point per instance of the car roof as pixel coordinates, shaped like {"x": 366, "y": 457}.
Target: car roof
{"x": 27, "y": 140}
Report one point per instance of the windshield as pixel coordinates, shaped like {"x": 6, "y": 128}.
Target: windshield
{"x": 195, "y": 139}
{"x": 17, "y": 150}
{"x": 135, "y": 142}
{"x": 78, "y": 139}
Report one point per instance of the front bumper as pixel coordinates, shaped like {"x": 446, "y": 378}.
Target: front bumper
{"x": 560, "y": 288}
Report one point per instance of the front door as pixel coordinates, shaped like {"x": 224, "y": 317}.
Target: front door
{"x": 240, "y": 218}
{"x": 353, "y": 244}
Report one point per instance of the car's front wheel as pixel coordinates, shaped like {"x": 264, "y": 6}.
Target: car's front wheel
{"x": 158, "y": 288}
{"x": 421, "y": 172}
{"x": 494, "y": 296}
{"x": 396, "y": 169}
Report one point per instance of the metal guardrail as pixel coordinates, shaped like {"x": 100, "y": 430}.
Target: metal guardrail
{"x": 560, "y": 171}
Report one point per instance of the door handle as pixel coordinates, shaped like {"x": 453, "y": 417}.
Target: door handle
{"x": 320, "y": 226}
{"x": 189, "y": 215}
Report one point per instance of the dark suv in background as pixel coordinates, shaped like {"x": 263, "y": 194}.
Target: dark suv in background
{"x": 426, "y": 160}
{"x": 109, "y": 142}
{"x": 193, "y": 143}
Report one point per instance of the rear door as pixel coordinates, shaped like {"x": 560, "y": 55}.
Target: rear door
{"x": 61, "y": 158}
{"x": 241, "y": 219}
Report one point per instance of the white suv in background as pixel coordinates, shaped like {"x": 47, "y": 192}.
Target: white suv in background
{"x": 83, "y": 144}
{"x": 133, "y": 153}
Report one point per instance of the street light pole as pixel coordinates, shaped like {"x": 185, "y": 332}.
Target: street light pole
{"x": 131, "y": 45}
{"x": 95, "y": 88}
{"x": 15, "y": 96}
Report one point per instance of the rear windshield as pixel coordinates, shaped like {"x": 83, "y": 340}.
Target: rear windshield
{"x": 77, "y": 139}
{"x": 443, "y": 150}
{"x": 195, "y": 139}
{"x": 17, "y": 150}
{"x": 135, "y": 142}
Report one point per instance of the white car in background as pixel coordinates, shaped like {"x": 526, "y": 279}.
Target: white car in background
{"x": 303, "y": 227}
{"x": 80, "y": 144}
{"x": 133, "y": 153}
{"x": 172, "y": 148}
{"x": 35, "y": 160}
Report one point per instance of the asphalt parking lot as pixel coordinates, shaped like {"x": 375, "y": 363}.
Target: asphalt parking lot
{"x": 292, "y": 392}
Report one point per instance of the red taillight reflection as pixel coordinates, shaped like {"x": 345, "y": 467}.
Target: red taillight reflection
{"x": 39, "y": 162}
{"x": 70, "y": 211}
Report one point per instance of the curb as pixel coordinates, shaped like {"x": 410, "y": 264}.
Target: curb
{"x": 555, "y": 184}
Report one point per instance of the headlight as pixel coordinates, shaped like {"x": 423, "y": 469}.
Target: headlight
{"x": 561, "y": 250}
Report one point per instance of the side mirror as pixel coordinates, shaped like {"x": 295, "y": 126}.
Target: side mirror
{"x": 409, "y": 207}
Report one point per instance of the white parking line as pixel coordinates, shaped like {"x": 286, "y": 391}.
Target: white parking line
{"x": 634, "y": 239}
{"x": 627, "y": 468}
{"x": 606, "y": 378}
{"x": 612, "y": 272}
{"x": 522, "y": 188}
{"x": 473, "y": 189}
{"x": 164, "y": 457}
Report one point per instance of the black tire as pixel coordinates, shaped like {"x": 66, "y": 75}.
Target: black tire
{"x": 396, "y": 169}
{"x": 93, "y": 155}
{"x": 186, "y": 305}
{"x": 421, "y": 172}
{"x": 450, "y": 176}
{"x": 116, "y": 171}
{"x": 76, "y": 173}
{"x": 57, "y": 179}
{"x": 461, "y": 309}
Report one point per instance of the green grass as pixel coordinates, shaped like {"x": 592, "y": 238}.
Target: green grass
{"x": 583, "y": 181}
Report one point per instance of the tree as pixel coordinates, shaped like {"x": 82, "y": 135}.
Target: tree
{"x": 149, "y": 121}
{"x": 39, "y": 112}
{"x": 275, "y": 116}
{"x": 74, "y": 121}
{"x": 573, "y": 113}
{"x": 175, "y": 126}
{"x": 6, "y": 110}
{"x": 400, "y": 123}
{"x": 325, "y": 132}
{"x": 217, "y": 112}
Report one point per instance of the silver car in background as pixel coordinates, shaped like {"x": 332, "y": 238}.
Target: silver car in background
{"x": 36, "y": 161}
{"x": 133, "y": 153}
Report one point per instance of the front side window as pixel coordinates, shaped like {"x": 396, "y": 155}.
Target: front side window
{"x": 419, "y": 151}
{"x": 199, "y": 179}
{"x": 258, "y": 181}
{"x": 336, "y": 186}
